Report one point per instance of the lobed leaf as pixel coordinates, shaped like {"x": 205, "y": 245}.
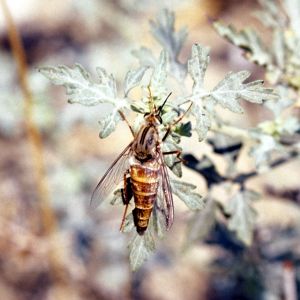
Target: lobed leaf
{"x": 171, "y": 160}
{"x": 117, "y": 198}
{"x": 262, "y": 150}
{"x": 197, "y": 66}
{"x": 231, "y": 89}
{"x": 159, "y": 77}
{"x": 163, "y": 29}
{"x": 158, "y": 219}
{"x": 184, "y": 129}
{"x": 133, "y": 79}
{"x": 203, "y": 122}
{"x": 243, "y": 215}
{"x": 79, "y": 85}
{"x": 246, "y": 39}
{"x": 201, "y": 223}
{"x": 108, "y": 124}
{"x": 183, "y": 191}
{"x": 129, "y": 223}
{"x": 140, "y": 247}
{"x": 145, "y": 57}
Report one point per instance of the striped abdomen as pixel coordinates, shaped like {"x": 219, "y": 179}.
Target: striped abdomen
{"x": 144, "y": 183}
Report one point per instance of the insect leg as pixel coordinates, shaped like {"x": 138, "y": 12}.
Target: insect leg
{"x": 124, "y": 118}
{"x": 126, "y": 196}
{"x": 178, "y": 153}
{"x": 176, "y": 122}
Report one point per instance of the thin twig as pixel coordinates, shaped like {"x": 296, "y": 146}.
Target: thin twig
{"x": 241, "y": 178}
{"x": 48, "y": 220}
{"x": 33, "y": 134}
{"x": 125, "y": 119}
{"x": 231, "y": 131}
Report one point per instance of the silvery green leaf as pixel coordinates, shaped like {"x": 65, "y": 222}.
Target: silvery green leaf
{"x": 108, "y": 124}
{"x": 163, "y": 30}
{"x": 184, "y": 129}
{"x": 269, "y": 15}
{"x": 80, "y": 86}
{"x": 229, "y": 147}
{"x": 201, "y": 223}
{"x": 159, "y": 77}
{"x": 117, "y": 198}
{"x": 262, "y": 151}
{"x": 197, "y": 66}
{"x": 133, "y": 79}
{"x": 231, "y": 89}
{"x": 293, "y": 9}
{"x": 169, "y": 116}
{"x": 246, "y": 39}
{"x": 203, "y": 122}
{"x": 128, "y": 223}
{"x": 139, "y": 107}
{"x": 243, "y": 215}
{"x": 145, "y": 57}
{"x": 140, "y": 247}
{"x": 290, "y": 125}
{"x": 158, "y": 218}
{"x": 279, "y": 47}
{"x": 284, "y": 100}
{"x": 183, "y": 191}
{"x": 171, "y": 160}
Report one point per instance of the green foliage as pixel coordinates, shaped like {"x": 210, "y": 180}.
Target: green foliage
{"x": 199, "y": 104}
{"x": 242, "y": 215}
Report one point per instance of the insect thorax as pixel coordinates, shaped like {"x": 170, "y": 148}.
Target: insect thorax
{"x": 145, "y": 146}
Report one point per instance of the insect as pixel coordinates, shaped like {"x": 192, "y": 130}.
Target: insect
{"x": 143, "y": 171}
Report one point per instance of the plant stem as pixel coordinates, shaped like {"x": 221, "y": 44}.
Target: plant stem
{"x": 231, "y": 131}
{"x": 48, "y": 220}
{"x": 241, "y": 178}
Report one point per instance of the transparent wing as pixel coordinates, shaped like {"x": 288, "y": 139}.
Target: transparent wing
{"x": 111, "y": 178}
{"x": 165, "y": 199}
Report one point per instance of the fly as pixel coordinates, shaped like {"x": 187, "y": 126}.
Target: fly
{"x": 144, "y": 173}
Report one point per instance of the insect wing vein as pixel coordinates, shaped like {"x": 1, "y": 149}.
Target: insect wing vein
{"x": 111, "y": 178}
{"x": 165, "y": 195}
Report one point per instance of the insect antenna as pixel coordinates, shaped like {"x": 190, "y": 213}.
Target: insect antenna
{"x": 161, "y": 107}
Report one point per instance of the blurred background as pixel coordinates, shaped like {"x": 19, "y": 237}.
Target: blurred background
{"x": 52, "y": 245}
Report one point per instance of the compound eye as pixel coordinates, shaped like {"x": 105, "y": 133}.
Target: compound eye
{"x": 150, "y": 141}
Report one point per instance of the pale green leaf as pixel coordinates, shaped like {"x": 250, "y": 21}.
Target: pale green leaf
{"x": 203, "y": 122}
{"x": 231, "y": 89}
{"x": 159, "y": 77}
{"x": 197, "y": 66}
{"x": 246, "y": 39}
{"x": 158, "y": 219}
{"x": 269, "y": 15}
{"x": 263, "y": 149}
{"x": 284, "y": 100}
{"x": 128, "y": 223}
{"x": 242, "y": 215}
{"x": 169, "y": 116}
{"x": 140, "y": 247}
{"x": 293, "y": 9}
{"x": 133, "y": 79}
{"x": 80, "y": 86}
{"x": 108, "y": 124}
{"x": 145, "y": 57}
{"x": 163, "y": 29}
{"x": 171, "y": 160}
{"x": 117, "y": 198}
{"x": 183, "y": 191}
{"x": 201, "y": 223}
{"x": 279, "y": 47}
